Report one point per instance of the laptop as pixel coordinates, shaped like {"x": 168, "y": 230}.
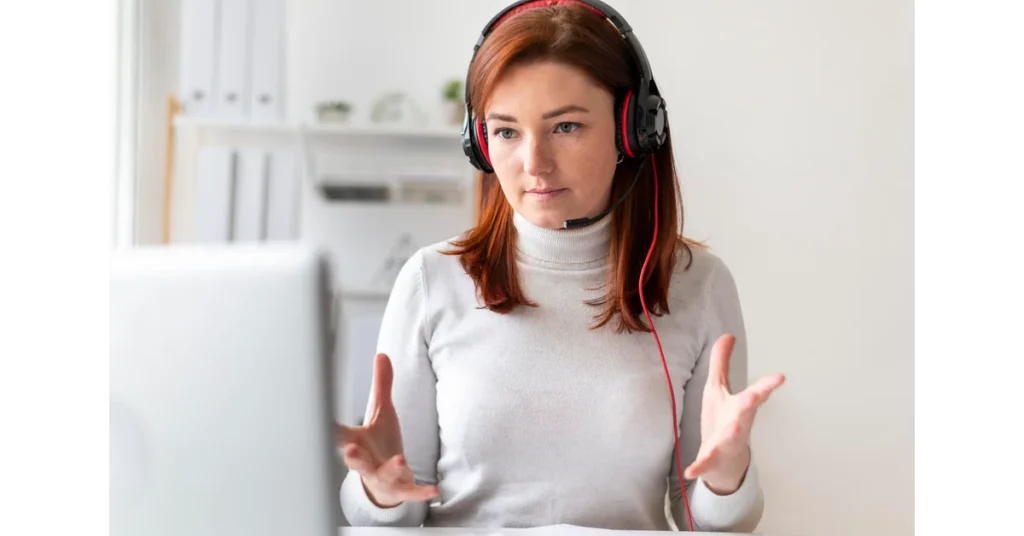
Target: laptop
{"x": 221, "y": 396}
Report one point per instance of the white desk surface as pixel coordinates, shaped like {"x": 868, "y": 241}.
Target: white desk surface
{"x": 554, "y": 530}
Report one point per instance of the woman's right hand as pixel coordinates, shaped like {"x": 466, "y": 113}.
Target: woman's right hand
{"x": 375, "y": 451}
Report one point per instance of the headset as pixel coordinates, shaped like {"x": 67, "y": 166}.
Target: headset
{"x": 639, "y": 111}
{"x": 639, "y": 131}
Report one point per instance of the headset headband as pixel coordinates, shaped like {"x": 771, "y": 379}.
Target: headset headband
{"x": 598, "y": 7}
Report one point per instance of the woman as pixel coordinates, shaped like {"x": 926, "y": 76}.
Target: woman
{"x": 518, "y": 381}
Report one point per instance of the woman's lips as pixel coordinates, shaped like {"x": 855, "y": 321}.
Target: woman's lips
{"x": 544, "y": 194}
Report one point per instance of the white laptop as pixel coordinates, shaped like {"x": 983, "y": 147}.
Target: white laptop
{"x": 220, "y": 393}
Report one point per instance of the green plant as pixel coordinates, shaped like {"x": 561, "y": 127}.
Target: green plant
{"x": 453, "y": 90}
{"x": 334, "y": 106}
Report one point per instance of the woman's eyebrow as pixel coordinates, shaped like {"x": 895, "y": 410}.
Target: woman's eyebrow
{"x": 553, "y": 113}
{"x": 564, "y": 110}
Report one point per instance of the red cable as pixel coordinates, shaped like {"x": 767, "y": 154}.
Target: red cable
{"x": 657, "y": 340}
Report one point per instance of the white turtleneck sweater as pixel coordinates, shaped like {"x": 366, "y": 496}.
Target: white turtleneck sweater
{"x": 532, "y": 418}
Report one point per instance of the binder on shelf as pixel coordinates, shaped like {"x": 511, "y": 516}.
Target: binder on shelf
{"x": 233, "y": 59}
{"x": 282, "y": 197}
{"x": 214, "y": 194}
{"x": 198, "y": 57}
{"x": 250, "y": 196}
{"x": 266, "y": 74}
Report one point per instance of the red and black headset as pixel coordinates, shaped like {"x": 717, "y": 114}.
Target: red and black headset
{"x": 639, "y": 111}
{"x": 640, "y": 131}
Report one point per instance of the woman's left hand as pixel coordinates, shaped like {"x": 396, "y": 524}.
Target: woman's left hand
{"x": 725, "y": 423}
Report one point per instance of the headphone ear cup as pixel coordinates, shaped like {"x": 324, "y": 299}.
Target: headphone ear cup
{"x": 480, "y": 135}
{"x": 651, "y": 131}
{"x": 474, "y": 143}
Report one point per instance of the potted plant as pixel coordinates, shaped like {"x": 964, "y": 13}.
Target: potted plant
{"x": 333, "y": 111}
{"x": 453, "y": 98}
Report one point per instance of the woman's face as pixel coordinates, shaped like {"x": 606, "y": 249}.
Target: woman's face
{"x": 551, "y": 137}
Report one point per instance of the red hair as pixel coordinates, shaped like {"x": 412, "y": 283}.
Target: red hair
{"x": 570, "y": 33}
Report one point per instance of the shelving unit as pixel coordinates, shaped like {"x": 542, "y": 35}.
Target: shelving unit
{"x": 429, "y": 184}
{"x": 253, "y": 131}
{"x": 412, "y": 143}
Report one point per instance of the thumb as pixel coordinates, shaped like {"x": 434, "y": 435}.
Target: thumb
{"x": 721, "y": 352}
{"x": 383, "y": 376}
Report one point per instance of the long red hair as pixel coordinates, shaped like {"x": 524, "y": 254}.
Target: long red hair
{"x": 572, "y": 34}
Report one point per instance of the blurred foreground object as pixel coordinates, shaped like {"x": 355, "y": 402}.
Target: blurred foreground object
{"x": 221, "y": 392}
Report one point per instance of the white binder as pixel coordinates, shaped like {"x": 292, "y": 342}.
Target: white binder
{"x": 250, "y": 196}
{"x": 198, "y": 57}
{"x": 266, "y": 85}
{"x": 214, "y": 192}
{"x": 282, "y": 198}
{"x": 233, "y": 59}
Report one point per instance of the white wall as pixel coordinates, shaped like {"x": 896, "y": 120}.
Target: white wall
{"x": 793, "y": 129}
{"x": 356, "y": 50}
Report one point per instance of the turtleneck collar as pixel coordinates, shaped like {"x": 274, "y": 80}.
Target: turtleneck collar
{"x": 562, "y": 248}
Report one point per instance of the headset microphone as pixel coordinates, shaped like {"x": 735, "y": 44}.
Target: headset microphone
{"x": 583, "y": 222}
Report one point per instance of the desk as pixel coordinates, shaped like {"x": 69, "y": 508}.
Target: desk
{"x": 554, "y": 530}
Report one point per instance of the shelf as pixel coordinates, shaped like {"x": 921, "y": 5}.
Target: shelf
{"x": 244, "y": 128}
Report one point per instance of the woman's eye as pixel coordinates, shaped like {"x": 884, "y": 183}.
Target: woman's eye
{"x": 565, "y": 128}
{"x": 561, "y": 128}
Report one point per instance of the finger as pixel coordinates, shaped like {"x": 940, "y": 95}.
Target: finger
{"x": 759, "y": 392}
{"x": 417, "y": 492}
{"x": 395, "y": 470}
{"x": 698, "y": 467}
{"x": 368, "y": 449}
{"x": 383, "y": 376}
{"x": 718, "y": 371}
{"x": 402, "y": 478}
{"x": 396, "y": 476}
{"x": 359, "y": 460}
{"x": 344, "y": 435}
{"x": 349, "y": 435}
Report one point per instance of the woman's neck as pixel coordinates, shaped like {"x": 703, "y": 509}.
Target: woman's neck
{"x": 564, "y": 248}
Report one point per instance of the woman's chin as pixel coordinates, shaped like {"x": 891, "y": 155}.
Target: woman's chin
{"x": 547, "y": 219}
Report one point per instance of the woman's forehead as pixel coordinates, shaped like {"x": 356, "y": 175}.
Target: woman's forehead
{"x": 545, "y": 85}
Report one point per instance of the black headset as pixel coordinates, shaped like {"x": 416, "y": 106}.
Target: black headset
{"x": 639, "y": 112}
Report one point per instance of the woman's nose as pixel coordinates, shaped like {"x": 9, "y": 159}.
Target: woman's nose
{"x": 538, "y": 159}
